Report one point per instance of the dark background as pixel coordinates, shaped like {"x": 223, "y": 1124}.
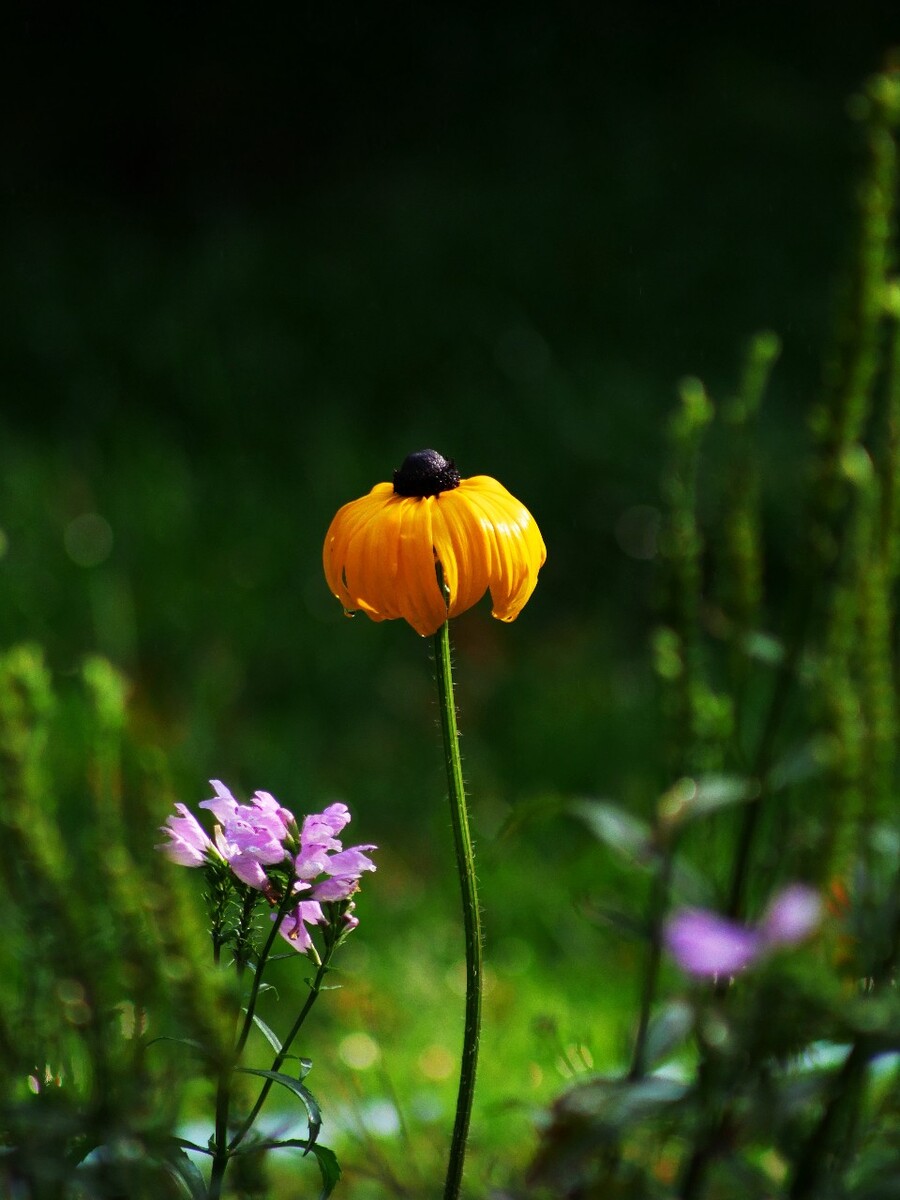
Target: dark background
{"x": 253, "y": 258}
{"x": 250, "y": 259}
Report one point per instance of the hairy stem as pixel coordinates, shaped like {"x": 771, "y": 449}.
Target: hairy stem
{"x": 465, "y": 861}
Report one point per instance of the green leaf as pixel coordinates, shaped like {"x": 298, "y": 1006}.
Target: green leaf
{"x": 764, "y": 648}
{"x": 327, "y": 1159}
{"x": 616, "y": 1104}
{"x": 330, "y": 1168}
{"x": 268, "y": 1033}
{"x": 302, "y": 1093}
{"x": 186, "y": 1145}
{"x": 625, "y": 924}
{"x": 627, "y": 835}
{"x": 185, "y": 1174}
{"x": 192, "y": 1043}
{"x": 668, "y": 1030}
{"x": 690, "y": 799}
{"x": 800, "y": 764}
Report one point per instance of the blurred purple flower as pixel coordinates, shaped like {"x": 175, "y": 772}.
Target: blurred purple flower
{"x": 793, "y": 914}
{"x": 704, "y": 943}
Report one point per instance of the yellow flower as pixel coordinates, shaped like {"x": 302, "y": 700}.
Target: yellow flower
{"x": 387, "y": 553}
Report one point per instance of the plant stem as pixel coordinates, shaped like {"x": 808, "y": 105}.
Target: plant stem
{"x": 659, "y": 901}
{"x": 221, "y": 1156}
{"x": 223, "y": 1085}
{"x": 314, "y": 988}
{"x": 465, "y": 861}
{"x": 288, "y": 899}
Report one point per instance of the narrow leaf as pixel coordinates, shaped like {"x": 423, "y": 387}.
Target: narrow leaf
{"x": 186, "y": 1145}
{"x": 690, "y": 799}
{"x": 191, "y": 1043}
{"x": 185, "y": 1174}
{"x": 268, "y": 1033}
{"x": 617, "y": 829}
{"x": 296, "y": 1087}
{"x": 327, "y": 1159}
{"x": 668, "y": 1030}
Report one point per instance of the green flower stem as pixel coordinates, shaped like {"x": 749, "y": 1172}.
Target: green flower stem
{"x": 223, "y": 1086}
{"x": 287, "y": 900}
{"x": 221, "y": 1155}
{"x": 659, "y": 902}
{"x": 314, "y": 988}
{"x": 465, "y": 861}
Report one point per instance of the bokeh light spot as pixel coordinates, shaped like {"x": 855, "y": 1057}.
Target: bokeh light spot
{"x": 436, "y": 1062}
{"x": 88, "y": 540}
{"x": 359, "y": 1051}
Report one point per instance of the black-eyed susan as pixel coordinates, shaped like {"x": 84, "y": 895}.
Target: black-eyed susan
{"x": 429, "y": 545}
{"x": 425, "y": 548}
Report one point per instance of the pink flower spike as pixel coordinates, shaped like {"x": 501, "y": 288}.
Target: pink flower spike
{"x": 314, "y": 832}
{"x": 189, "y": 843}
{"x": 703, "y": 943}
{"x": 337, "y": 816}
{"x": 247, "y": 868}
{"x": 311, "y": 861}
{"x": 349, "y": 919}
{"x": 267, "y": 803}
{"x": 351, "y": 862}
{"x": 793, "y": 914}
{"x": 258, "y": 838}
{"x": 340, "y": 887}
{"x": 223, "y": 805}
{"x": 293, "y": 926}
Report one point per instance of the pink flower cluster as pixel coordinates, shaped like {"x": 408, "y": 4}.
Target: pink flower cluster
{"x": 252, "y": 837}
{"x": 704, "y": 943}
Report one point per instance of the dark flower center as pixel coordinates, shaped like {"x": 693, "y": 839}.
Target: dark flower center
{"x": 426, "y": 473}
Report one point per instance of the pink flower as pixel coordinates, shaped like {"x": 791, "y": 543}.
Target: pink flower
{"x": 793, "y": 914}
{"x": 189, "y": 844}
{"x": 250, "y": 836}
{"x": 321, "y": 853}
{"x": 321, "y": 829}
{"x": 262, "y": 834}
{"x": 703, "y": 943}
{"x": 293, "y": 926}
{"x": 339, "y": 887}
{"x": 350, "y": 862}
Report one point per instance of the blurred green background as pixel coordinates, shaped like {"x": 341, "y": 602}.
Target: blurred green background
{"x": 251, "y": 259}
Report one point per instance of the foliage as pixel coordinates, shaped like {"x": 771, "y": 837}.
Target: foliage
{"x": 780, "y": 1079}
{"x": 99, "y": 955}
{"x": 774, "y": 654}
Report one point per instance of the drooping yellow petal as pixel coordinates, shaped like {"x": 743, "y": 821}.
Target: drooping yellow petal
{"x": 463, "y": 547}
{"x": 372, "y": 561}
{"x": 382, "y": 552}
{"x": 345, "y": 529}
{"x": 518, "y": 550}
{"x": 421, "y": 602}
